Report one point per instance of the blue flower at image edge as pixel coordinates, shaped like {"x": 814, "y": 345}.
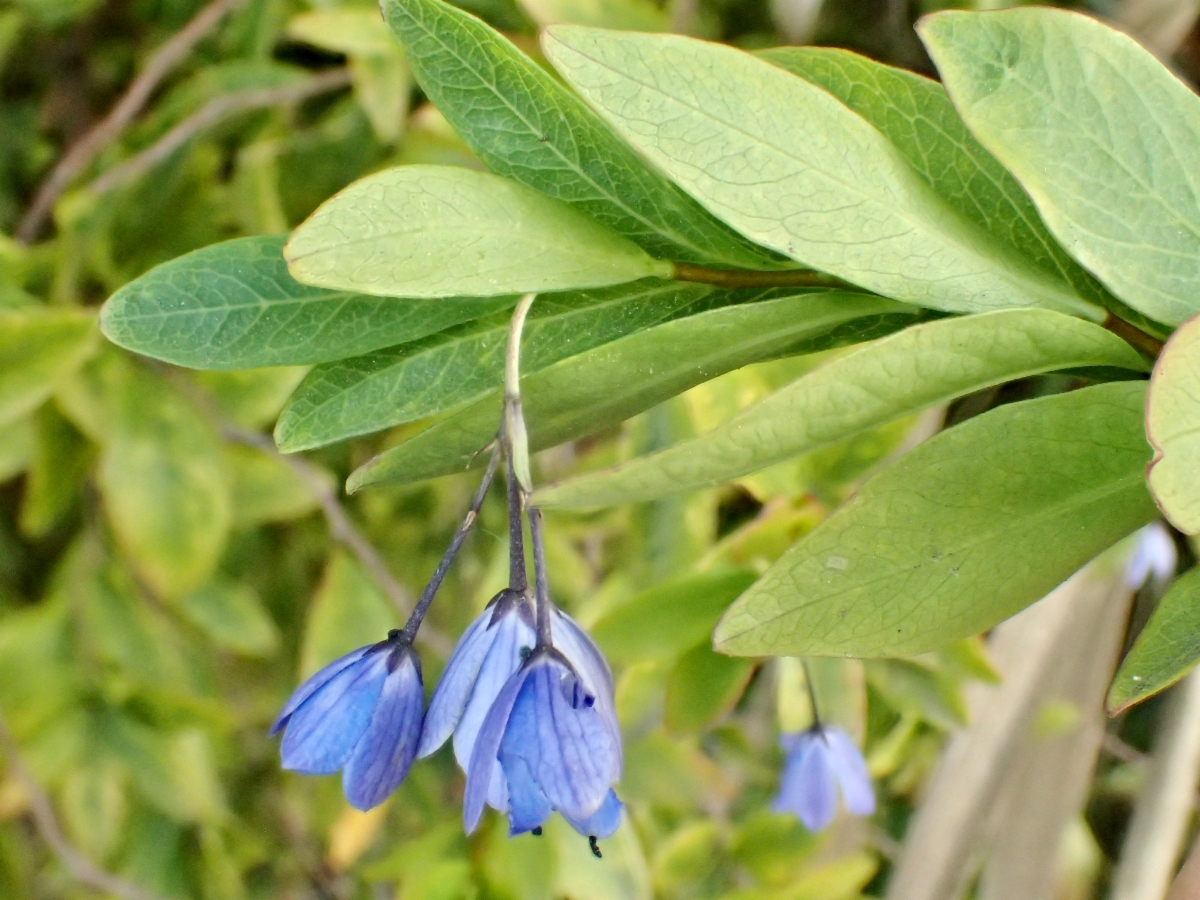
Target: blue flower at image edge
{"x": 556, "y": 748}
{"x": 819, "y": 761}
{"x": 360, "y": 714}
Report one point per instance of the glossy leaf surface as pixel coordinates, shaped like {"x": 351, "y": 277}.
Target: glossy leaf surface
{"x": 792, "y": 168}
{"x": 1103, "y": 137}
{"x": 916, "y": 116}
{"x": 1167, "y": 648}
{"x": 437, "y": 231}
{"x": 1173, "y": 426}
{"x": 589, "y": 392}
{"x": 960, "y": 533}
{"x": 233, "y": 305}
{"x": 524, "y": 125}
{"x": 921, "y": 366}
{"x": 405, "y": 383}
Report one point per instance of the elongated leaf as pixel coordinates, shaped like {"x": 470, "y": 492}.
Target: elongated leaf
{"x": 1102, "y": 136}
{"x": 165, "y": 486}
{"x": 589, "y": 392}
{"x": 1173, "y": 426}
{"x": 667, "y": 620}
{"x": 524, "y": 125}
{"x": 703, "y": 687}
{"x": 1166, "y": 650}
{"x": 793, "y": 169}
{"x": 922, "y": 366}
{"x": 39, "y": 348}
{"x": 234, "y": 306}
{"x": 433, "y": 231}
{"x": 959, "y": 534}
{"x": 916, "y": 115}
{"x": 402, "y": 384}
{"x": 232, "y": 616}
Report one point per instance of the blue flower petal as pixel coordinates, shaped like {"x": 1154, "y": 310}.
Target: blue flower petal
{"x": 568, "y": 744}
{"x": 454, "y": 687}
{"x": 386, "y": 751}
{"x": 603, "y": 822}
{"x": 503, "y": 658}
{"x": 487, "y": 746}
{"x": 809, "y": 788}
{"x": 850, "y": 768}
{"x": 323, "y": 732}
{"x": 528, "y": 806}
{"x": 313, "y": 684}
{"x": 581, "y": 651}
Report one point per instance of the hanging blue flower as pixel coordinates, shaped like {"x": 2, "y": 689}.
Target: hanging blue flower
{"x": 820, "y": 760}
{"x": 487, "y": 655}
{"x": 555, "y": 745}
{"x": 360, "y": 714}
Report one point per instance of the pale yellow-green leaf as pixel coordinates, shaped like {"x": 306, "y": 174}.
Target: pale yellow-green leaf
{"x": 165, "y": 484}
{"x": 16, "y": 448}
{"x": 383, "y": 86}
{"x": 628, "y": 15}
{"x": 1173, "y": 426}
{"x": 788, "y": 166}
{"x": 359, "y": 31}
{"x": 39, "y": 348}
{"x": 438, "y": 231}
{"x": 265, "y": 488}
{"x": 231, "y": 614}
{"x": 919, "y": 367}
{"x": 1101, "y": 135}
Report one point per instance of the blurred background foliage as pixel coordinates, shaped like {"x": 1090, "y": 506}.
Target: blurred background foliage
{"x": 165, "y": 581}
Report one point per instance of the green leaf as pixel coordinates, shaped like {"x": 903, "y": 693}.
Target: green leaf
{"x": 165, "y": 484}
{"x": 232, "y": 616}
{"x": 915, "y": 689}
{"x": 17, "y": 445}
{"x": 960, "y": 533}
{"x": 39, "y": 348}
{"x": 359, "y": 32}
{"x": 790, "y": 167}
{"x": 234, "y": 306}
{"x": 347, "y": 612}
{"x": 434, "y": 231}
{"x": 1101, "y": 135}
{"x": 921, "y": 366}
{"x": 252, "y": 397}
{"x": 667, "y": 620}
{"x": 703, "y": 687}
{"x": 405, "y": 383}
{"x": 916, "y": 115}
{"x": 61, "y": 463}
{"x": 265, "y": 489}
{"x": 1172, "y": 420}
{"x": 1166, "y": 650}
{"x": 586, "y": 393}
{"x": 524, "y": 125}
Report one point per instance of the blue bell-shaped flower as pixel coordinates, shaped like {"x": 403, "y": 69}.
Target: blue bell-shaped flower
{"x": 360, "y": 714}
{"x": 819, "y": 761}
{"x": 556, "y": 747}
{"x": 487, "y": 655}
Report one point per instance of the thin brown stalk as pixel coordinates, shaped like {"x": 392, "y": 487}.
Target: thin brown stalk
{"x": 133, "y": 101}
{"x": 342, "y": 529}
{"x": 41, "y": 811}
{"x": 213, "y": 113}
{"x": 734, "y": 278}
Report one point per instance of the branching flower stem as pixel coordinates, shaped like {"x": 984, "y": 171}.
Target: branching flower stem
{"x": 515, "y": 439}
{"x": 418, "y": 614}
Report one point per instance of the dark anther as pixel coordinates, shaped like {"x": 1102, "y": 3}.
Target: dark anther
{"x": 394, "y": 634}
{"x": 537, "y": 832}
{"x": 525, "y": 651}
{"x": 595, "y": 847}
